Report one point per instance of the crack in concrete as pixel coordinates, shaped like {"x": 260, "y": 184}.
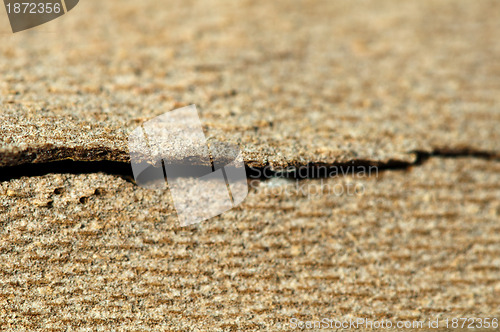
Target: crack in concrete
{"x": 302, "y": 171}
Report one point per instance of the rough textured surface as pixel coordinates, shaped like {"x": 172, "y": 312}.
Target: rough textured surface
{"x": 290, "y": 82}
{"x": 96, "y": 251}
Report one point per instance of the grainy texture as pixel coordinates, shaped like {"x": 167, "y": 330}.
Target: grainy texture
{"x": 291, "y": 82}
{"x": 96, "y": 251}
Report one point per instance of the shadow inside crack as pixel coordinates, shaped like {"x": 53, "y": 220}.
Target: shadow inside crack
{"x": 120, "y": 169}
{"x": 299, "y": 172}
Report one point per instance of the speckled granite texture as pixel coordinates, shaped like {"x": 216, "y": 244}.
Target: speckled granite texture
{"x": 96, "y": 251}
{"x": 290, "y": 83}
